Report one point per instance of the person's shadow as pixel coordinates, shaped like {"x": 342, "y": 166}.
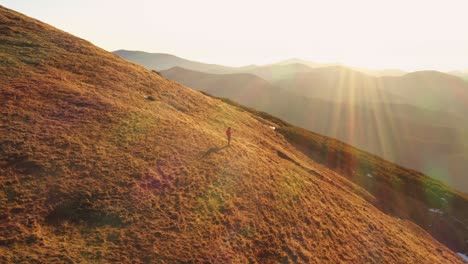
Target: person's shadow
{"x": 211, "y": 151}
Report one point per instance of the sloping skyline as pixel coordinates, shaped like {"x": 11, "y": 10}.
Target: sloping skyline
{"x": 414, "y": 35}
{"x": 104, "y": 161}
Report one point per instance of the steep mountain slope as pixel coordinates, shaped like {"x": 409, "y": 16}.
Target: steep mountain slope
{"x": 92, "y": 171}
{"x": 429, "y": 141}
{"x": 399, "y": 191}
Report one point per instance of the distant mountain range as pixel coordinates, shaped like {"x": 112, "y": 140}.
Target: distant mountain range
{"x": 382, "y": 72}
{"x": 245, "y": 88}
{"x": 162, "y": 61}
{"x": 338, "y": 84}
{"x": 461, "y": 74}
{"x": 431, "y": 89}
{"x": 414, "y": 133}
{"x": 417, "y": 119}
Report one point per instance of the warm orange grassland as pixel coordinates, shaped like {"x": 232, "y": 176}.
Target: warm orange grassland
{"x": 91, "y": 171}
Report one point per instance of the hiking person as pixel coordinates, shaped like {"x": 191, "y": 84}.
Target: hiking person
{"x": 228, "y": 134}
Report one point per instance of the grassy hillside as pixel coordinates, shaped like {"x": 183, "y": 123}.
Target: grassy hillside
{"x": 103, "y": 161}
{"x": 433, "y": 142}
{"x": 402, "y": 192}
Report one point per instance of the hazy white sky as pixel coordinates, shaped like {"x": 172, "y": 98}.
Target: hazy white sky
{"x": 406, "y": 34}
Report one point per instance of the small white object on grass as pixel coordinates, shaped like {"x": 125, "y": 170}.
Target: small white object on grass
{"x": 463, "y": 256}
{"x": 435, "y": 210}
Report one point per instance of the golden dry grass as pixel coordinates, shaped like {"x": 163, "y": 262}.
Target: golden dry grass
{"x": 396, "y": 190}
{"x": 92, "y": 172}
